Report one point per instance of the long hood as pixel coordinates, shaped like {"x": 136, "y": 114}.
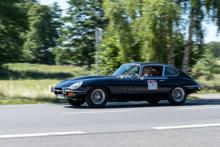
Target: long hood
{"x": 69, "y": 82}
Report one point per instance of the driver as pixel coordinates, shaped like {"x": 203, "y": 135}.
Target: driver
{"x": 147, "y": 71}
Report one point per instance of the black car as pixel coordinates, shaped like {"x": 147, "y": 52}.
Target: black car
{"x": 129, "y": 83}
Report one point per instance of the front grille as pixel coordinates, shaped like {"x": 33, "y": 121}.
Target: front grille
{"x": 58, "y": 90}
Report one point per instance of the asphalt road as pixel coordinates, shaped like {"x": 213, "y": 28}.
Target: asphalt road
{"x": 196, "y": 123}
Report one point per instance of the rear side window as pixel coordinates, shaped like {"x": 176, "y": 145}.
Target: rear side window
{"x": 169, "y": 71}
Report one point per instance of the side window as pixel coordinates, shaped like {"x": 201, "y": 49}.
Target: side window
{"x": 152, "y": 71}
{"x": 169, "y": 71}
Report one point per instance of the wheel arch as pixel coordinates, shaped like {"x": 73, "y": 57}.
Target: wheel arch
{"x": 106, "y": 88}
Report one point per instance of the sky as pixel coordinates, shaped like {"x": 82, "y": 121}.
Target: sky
{"x": 210, "y": 34}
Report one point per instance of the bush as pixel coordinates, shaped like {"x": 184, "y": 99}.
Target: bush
{"x": 206, "y": 67}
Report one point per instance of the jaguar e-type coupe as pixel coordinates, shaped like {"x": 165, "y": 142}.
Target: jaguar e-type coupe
{"x": 149, "y": 82}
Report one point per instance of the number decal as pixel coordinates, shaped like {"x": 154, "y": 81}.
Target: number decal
{"x": 152, "y": 84}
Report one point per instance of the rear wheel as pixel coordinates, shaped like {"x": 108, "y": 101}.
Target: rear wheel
{"x": 75, "y": 103}
{"x": 177, "y": 96}
{"x": 153, "y": 101}
{"x": 97, "y": 97}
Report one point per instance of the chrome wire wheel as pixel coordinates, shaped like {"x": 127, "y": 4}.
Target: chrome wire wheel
{"x": 98, "y": 96}
{"x": 178, "y": 94}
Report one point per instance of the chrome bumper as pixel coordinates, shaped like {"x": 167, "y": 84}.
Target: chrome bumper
{"x": 65, "y": 90}
{"x": 199, "y": 87}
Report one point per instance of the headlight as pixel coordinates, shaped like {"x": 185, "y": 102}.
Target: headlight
{"x": 76, "y": 85}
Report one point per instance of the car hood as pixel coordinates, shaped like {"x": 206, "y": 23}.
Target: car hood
{"x": 68, "y": 82}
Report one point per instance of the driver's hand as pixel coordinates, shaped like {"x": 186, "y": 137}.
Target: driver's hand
{"x": 146, "y": 75}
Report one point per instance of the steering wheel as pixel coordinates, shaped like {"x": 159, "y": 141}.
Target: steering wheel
{"x": 133, "y": 74}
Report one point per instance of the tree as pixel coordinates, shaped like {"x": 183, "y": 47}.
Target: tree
{"x": 110, "y": 53}
{"x": 213, "y": 48}
{"x": 143, "y": 31}
{"x": 207, "y": 67}
{"x": 44, "y": 22}
{"x": 78, "y": 36}
{"x": 13, "y": 21}
{"x": 159, "y": 30}
{"x": 197, "y": 10}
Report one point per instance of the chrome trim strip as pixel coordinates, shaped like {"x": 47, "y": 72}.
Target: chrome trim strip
{"x": 155, "y": 77}
{"x": 57, "y": 90}
{"x": 192, "y": 86}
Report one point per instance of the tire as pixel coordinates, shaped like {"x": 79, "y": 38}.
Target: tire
{"x": 177, "y": 96}
{"x": 75, "y": 103}
{"x": 153, "y": 101}
{"x": 97, "y": 97}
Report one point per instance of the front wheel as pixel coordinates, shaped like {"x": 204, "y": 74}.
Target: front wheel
{"x": 177, "y": 96}
{"x": 97, "y": 97}
{"x": 75, "y": 103}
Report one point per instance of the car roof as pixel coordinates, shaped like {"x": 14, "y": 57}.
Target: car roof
{"x": 156, "y": 64}
{"x": 149, "y": 63}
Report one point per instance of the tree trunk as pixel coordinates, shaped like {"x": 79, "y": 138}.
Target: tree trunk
{"x": 186, "y": 55}
{"x": 170, "y": 59}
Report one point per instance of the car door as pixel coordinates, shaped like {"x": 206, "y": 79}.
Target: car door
{"x": 148, "y": 87}
{"x": 137, "y": 88}
{"x": 156, "y": 85}
{"x": 173, "y": 79}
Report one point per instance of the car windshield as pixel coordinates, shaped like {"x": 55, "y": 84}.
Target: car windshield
{"x": 128, "y": 70}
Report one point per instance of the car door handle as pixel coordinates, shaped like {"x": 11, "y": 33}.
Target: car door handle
{"x": 161, "y": 80}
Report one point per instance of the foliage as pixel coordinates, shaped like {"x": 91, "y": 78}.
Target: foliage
{"x": 213, "y": 48}
{"x": 207, "y": 67}
{"x": 197, "y": 11}
{"x": 44, "y": 22}
{"x": 13, "y": 21}
{"x": 78, "y": 35}
{"x": 143, "y": 31}
{"x": 155, "y": 31}
{"x": 110, "y": 54}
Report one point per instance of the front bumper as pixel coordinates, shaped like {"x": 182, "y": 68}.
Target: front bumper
{"x": 78, "y": 94}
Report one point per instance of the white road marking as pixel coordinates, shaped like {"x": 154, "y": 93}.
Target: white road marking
{"x": 95, "y": 112}
{"x": 186, "y": 126}
{"x": 200, "y": 108}
{"x": 41, "y": 134}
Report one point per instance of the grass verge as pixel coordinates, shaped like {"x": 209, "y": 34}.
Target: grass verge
{"x": 24, "y": 100}
{"x": 192, "y": 97}
{"x": 27, "y": 88}
{"x": 27, "y": 92}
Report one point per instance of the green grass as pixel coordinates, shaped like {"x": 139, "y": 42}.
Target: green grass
{"x": 41, "y": 71}
{"x": 25, "y": 83}
{"x": 24, "y": 100}
{"x": 27, "y": 92}
{"x": 192, "y": 97}
{"x": 27, "y": 88}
